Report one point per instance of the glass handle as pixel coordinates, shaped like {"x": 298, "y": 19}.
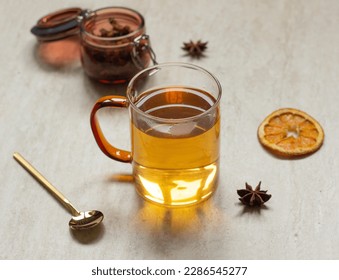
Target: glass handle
{"x": 104, "y": 145}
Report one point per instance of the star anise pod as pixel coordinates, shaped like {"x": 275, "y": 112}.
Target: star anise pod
{"x": 117, "y": 29}
{"x": 195, "y": 49}
{"x": 252, "y": 197}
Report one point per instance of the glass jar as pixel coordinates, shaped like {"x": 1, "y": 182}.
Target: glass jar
{"x": 113, "y": 41}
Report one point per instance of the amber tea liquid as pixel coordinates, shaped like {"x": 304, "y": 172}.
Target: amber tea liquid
{"x": 176, "y": 162}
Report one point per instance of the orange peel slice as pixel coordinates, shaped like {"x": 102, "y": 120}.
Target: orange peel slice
{"x": 290, "y": 132}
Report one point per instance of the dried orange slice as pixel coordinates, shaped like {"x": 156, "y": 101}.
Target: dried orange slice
{"x": 290, "y": 132}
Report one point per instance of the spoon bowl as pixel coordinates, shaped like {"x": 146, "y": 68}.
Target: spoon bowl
{"x": 86, "y": 220}
{"x": 80, "y": 220}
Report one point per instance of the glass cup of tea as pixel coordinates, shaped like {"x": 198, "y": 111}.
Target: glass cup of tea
{"x": 175, "y": 133}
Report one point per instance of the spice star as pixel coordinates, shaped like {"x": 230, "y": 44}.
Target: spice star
{"x": 254, "y": 197}
{"x": 117, "y": 29}
{"x": 195, "y": 49}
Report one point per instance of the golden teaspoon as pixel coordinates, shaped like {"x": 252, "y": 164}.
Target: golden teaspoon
{"x": 80, "y": 220}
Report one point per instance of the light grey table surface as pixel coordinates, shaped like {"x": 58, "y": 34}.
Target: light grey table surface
{"x": 266, "y": 54}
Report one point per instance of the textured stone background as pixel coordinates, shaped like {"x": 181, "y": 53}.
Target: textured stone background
{"x": 266, "y": 54}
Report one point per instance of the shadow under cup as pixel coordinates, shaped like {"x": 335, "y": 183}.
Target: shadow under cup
{"x": 175, "y": 133}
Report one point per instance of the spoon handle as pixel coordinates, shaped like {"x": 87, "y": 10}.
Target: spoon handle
{"x": 44, "y": 182}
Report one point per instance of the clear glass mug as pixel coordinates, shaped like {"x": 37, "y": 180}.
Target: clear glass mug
{"x": 175, "y": 133}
